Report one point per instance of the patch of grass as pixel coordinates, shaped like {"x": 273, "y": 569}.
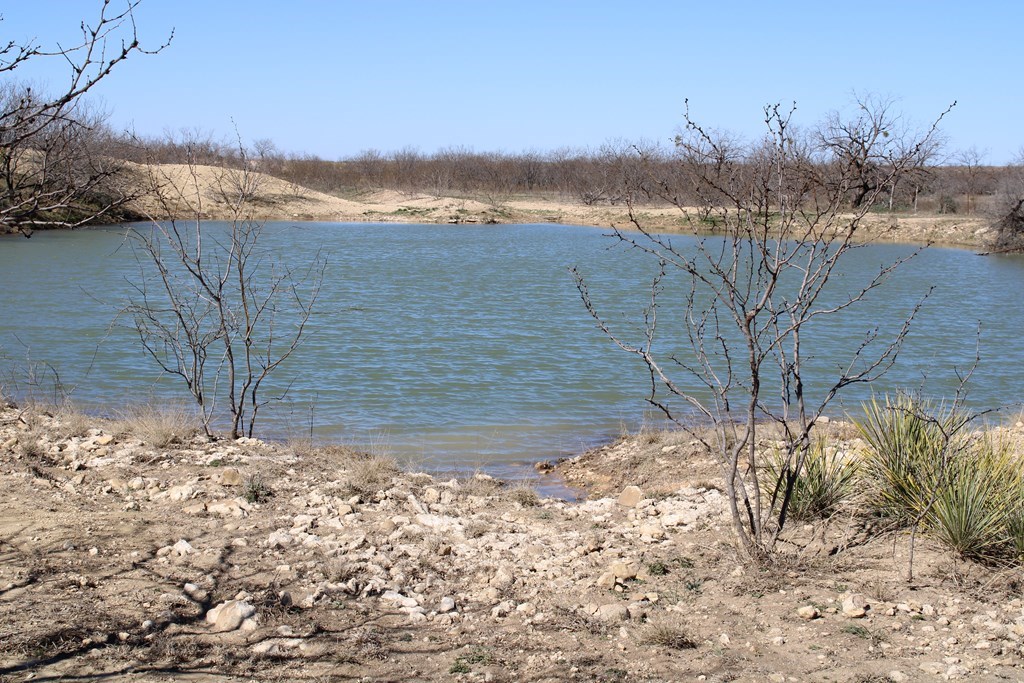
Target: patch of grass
{"x": 684, "y": 562}
{"x": 460, "y": 666}
{"x": 72, "y": 422}
{"x": 370, "y": 475}
{"x": 863, "y": 632}
{"x": 856, "y": 630}
{"x": 666, "y": 634}
{"x": 524, "y": 494}
{"x": 657, "y": 569}
{"x": 159, "y": 426}
{"x": 256, "y": 490}
{"x": 694, "y": 585}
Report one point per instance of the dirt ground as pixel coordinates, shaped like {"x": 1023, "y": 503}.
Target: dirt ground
{"x": 244, "y": 561}
{"x": 204, "y": 189}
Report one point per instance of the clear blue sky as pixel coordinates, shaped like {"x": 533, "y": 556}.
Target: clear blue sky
{"x": 334, "y": 78}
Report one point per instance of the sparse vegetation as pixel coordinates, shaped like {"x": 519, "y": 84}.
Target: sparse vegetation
{"x": 669, "y": 635}
{"x": 523, "y": 494}
{"x": 255, "y": 489}
{"x": 369, "y": 475}
{"x": 158, "y": 425}
{"x": 657, "y": 569}
{"x": 924, "y": 468}
{"x": 825, "y": 482}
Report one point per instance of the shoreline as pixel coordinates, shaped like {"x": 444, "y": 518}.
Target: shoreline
{"x": 241, "y": 560}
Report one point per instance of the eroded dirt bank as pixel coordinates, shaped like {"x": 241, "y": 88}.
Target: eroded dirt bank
{"x": 238, "y": 561}
{"x": 186, "y": 191}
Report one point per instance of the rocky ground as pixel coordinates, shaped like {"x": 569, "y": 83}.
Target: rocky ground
{"x": 240, "y": 560}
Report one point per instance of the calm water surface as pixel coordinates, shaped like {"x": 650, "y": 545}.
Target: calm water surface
{"x": 468, "y": 346}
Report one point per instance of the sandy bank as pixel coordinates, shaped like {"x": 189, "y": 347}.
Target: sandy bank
{"x": 206, "y": 189}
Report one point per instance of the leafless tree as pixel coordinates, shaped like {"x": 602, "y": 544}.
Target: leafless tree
{"x": 214, "y": 307}
{"x": 1008, "y": 218}
{"x": 51, "y": 174}
{"x": 744, "y": 301}
{"x": 970, "y": 161}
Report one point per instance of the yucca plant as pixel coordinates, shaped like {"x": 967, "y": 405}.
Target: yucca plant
{"x": 1015, "y": 530}
{"x": 973, "y": 505}
{"x": 823, "y": 483}
{"x": 910, "y": 439}
{"x": 924, "y": 468}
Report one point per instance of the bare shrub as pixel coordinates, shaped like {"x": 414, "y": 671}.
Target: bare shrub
{"x": 720, "y": 331}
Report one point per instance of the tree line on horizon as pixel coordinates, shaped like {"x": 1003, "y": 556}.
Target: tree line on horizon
{"x": 63, "y": 165}
{"x": 617, "y": 171}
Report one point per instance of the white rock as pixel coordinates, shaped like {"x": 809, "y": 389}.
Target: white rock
{"x": 612, "y": 612}
{"x": 502, "y": 609}
{"x": 228, "y": 616}
{"x": 855, "y": 606}
{"x": 180, "y": 493}
{"x": 808, "y": 612}
{"x": 630, "y": 496}
{"x": 182, "y": 548}
{"x": 447, "y": 605}
{"x": 280, "y": 539}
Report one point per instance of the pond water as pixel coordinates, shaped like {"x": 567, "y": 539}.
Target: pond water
{"x": 466, "y": 347}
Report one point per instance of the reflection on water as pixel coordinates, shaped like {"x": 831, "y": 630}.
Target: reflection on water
{"x": 467, "y": 346}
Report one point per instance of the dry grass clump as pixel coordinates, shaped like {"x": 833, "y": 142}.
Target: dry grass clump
{"x": 666, "y": 634}
{"x": 524, "y": 494}
{"x": 29, "y": 446}
{"x": 71, "y": 421}
{"x": 159, "y": 425}
{"x": 300, "y": 446}
{"x": 480, "y": 485}
{"x": 255, "y": 489}
{"x": 370, "y": 475}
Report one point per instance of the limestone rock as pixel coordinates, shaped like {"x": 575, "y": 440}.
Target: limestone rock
{"x": 630, "y": 496}
{"x": 180, "y": 493}
{"x": 227, "y": 508}
{"x": 624, "y": 571}
{"x": 808, "y": 612}
{"x": 502, "y": 609}
{"x": 229, "y": 616}
{"x": 182, "y": 548}
{"x": 231, "y": 477}
{"x": 612, "y": 612}
{"x": 855, "y": 606}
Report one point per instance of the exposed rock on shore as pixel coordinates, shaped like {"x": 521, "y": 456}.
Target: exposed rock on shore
{"x": 245, "y": 559}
